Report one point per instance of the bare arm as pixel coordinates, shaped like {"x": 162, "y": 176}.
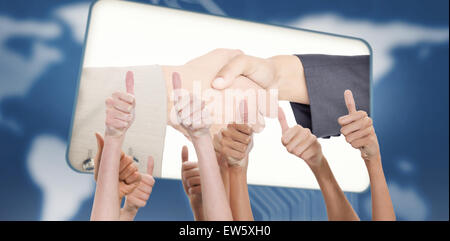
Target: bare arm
{"x": 119, "y": 117}
{"x": 235, "y": 143}
{"x": 338, "y": 207}
{"x": 239, "y": 197}
{"x": 382, "y": 208}
{"x": 106, "y": 201}
{"x": 303, "y": 144}
{"x": 224, "y": 171}
{"x": 194, "y": 119}
{"x": 358, "y": 130}
{"x": 214, "y": 197}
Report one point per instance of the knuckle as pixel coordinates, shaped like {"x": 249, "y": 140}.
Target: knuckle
{"x": 221, "y": 50}
{"x": 238, "y": 51}
{"x": 347, "y": 138}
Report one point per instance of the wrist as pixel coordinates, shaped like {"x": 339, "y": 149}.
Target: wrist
{"x": 373, "y": 162}
{"x": 240, "y": 170}
{"x": 130, "y": 209}
{"x": 290, "y": 78}
{"x": 114, "y": 139}
{"x": 200, "y": 138}
{"x": 320, "y": 169}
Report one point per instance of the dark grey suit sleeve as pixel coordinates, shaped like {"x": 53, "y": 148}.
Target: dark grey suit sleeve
{"x": 327, "y": 77}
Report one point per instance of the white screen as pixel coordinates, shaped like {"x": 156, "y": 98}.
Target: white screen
{"x": 141, "y": 34}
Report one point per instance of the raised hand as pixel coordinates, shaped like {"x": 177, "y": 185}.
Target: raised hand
{"x": 236, "y": 141}
{"x": 300, "y": 142}
{"x": 190, "y": 177}
{"x": 120, "y": 109}
{"x": 190, "y": 111}
{"x": 138, "y": 198}
{"x": 115, "y": 172}
{"x": 358, "y": 130}
{"x": 129, "y": 177}
{"x": 357, "y": 127}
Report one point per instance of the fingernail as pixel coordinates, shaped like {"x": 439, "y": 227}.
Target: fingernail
{"x": 219, "y": 82}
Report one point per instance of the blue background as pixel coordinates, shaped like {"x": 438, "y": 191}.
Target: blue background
{"x": 410, "y": 100}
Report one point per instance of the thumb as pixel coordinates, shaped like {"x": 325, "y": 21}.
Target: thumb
{"x": 150, "y": 165}
{"x": 176, "y": 80}
{"x": 100, "y": 142}
{"x": 349, "y": 101}
{"x": 239, "y": 65}
{"x": 176, "y": 84}
{"x": 282, "y": 120}
{"x": 243, "y": 112}
{"x": 129, "y": 80}
{"x": 98, "y": 156}
{"x": 184, "y": 154}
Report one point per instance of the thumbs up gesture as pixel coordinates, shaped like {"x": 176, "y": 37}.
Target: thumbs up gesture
{"x": 357, "y": 127}
{"x": 236, "y": 141}
{"x": 120, "y": 109}
{"x": 190, "y": 177}
{"x": 138, "y": 198}
{"x": 300, "y": 142}
{"x": 191, "y": 112}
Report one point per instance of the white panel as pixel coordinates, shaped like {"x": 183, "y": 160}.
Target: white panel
{"x": 126, "y": 34}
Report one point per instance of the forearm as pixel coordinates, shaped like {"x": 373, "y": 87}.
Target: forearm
{"x": 106, "y": 201}
{"x": 225, "y": 174}
{"x": 338, "y": 207}
{"x": 239, "y": 197}
{"x": 214, "y": 198}
{"x": 290, "y": 78}
{"x": 382, "y": 208}
{"x": 198, "y": 211}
